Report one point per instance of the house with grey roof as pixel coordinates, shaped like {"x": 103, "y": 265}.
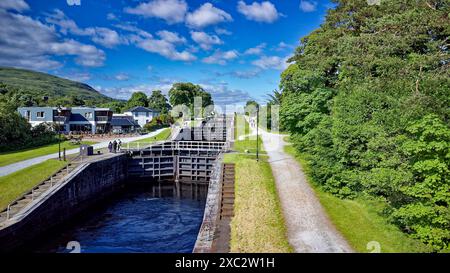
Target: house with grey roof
{"x": 142, "y": 115}
{"x": 70, "y": 119}
{"x": 124, "y": 124}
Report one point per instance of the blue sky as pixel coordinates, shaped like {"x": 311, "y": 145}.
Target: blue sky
{"x": 234, "y": 49}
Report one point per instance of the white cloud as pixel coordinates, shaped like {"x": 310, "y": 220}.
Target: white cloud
{"x": 86, "y": 55}
{"x": 222, "y": 31}
{"x": 134, "y": 29}
{"x": 271, "y": 62}
{"x": 257, "y": 50}
{"x": 171, "y": 37}
{"x": 166, "y": 49}
{"x": 106, "y": 37}
{"x": 172, "y": 11}
{"x": 111, "y": 16}
{"x": 308, "y": 6}
{"x": 124, "y": 92}
{"x": 73, "y": 2}
{"x": 103, "y": 36}
{"x": 122, "y": 77}
{"x": 220, "y": 57}
{"x": 37, "y": 43}
{"x": 260, "y": 12}
{"x": 207, "y": 15}
{"x": 246, "y": 74}
{"x": 166, "y": 46}
{"x": 223, "y": 95}
{"x": 205, "y": 40}
{"x": 17, "y": 5}
{"x": 282, "y": 46}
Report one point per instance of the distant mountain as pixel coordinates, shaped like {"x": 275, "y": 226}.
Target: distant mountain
{"x": 41, "y": 84}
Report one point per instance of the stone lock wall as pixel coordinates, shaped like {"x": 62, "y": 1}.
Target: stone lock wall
{"x": 84, "y": 186}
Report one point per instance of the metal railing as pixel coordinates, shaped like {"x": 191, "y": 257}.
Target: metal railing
{"x": 52, "y": 184}
{"x": 176, "y": 145}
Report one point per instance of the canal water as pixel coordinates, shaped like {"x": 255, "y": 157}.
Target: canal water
{"x": 153, "y": 219}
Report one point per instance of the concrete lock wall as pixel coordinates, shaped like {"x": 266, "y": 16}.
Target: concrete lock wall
{"x": 87, "y": 185}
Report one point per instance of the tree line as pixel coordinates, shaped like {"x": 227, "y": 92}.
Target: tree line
{"x": 366, "y": 98}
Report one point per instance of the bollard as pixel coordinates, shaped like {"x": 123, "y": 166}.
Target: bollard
{"x": 64, "y": 154}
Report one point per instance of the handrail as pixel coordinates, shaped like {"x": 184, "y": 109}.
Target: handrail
{"x": 184, "y": 144}
{"x": 8, "y": 208}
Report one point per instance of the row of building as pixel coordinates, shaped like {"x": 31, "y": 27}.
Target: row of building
{"x": 89, "y": 119}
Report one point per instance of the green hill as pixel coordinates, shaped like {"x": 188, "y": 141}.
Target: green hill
{"x": 37, "y": 85}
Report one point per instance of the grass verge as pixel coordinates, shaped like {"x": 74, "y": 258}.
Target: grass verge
{"x": 165, "y": 134}
{"x": 14, "y": 185}
{"x": 360, "y": 221}
{"x": 258, "y": 224}
{"x": 17, "y": 156}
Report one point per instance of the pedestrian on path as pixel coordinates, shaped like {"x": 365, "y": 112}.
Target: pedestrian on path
{"x": 110, "y": 146}
{"x": 114, "y": 146}
{"x": 119, "y": 145}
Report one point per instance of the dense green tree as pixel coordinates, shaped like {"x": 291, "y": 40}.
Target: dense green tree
{"x": 15, "y": 131}
{"x": 366, "y": 99}
{"x": 158, "y": 101}
{"x": 115, "y": 106}
{"x": 137, "y": 99}
{"x": 184, "y": 94}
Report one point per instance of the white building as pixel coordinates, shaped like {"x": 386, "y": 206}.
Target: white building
{"x": 142, "y": 115}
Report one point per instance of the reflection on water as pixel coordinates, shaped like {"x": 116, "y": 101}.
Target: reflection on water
{"x": 159, "y": 218}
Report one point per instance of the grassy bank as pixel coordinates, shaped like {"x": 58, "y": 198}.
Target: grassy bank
{"x": 258, "y": 224}
{"x": 164, "y": 135}
{"x": 14, "y": 185}
{"x": 17, "y": 156}
{"x": 360, "y": 220}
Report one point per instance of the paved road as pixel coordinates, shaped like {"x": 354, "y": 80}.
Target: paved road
{"x": 5, "y": 170}
{"x": 309, "y": 229}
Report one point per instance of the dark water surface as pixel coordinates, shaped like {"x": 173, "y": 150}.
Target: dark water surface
{"x": 145, "y": 219}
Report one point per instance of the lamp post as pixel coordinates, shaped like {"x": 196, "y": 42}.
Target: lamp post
{"x": 59, "y": 109}
{"x": 257, "y": 133}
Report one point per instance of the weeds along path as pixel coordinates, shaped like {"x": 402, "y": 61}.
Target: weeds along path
{"x": 309, "y": 228}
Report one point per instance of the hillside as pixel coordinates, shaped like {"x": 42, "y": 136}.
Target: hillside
{"x": 37, "y": 85}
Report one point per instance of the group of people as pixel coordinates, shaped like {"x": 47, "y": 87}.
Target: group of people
{"x": 114, "y": 146}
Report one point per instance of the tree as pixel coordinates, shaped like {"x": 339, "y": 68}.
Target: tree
{"x": 250, "y": 107}
{"x": 158, "y": 102}
{"x": 115, "y": 106}
{"x": 425, "y": 211}
{"x": 350, "y": 95}
{"x": 184, "y": 94}
{"x": 137, "y": 99}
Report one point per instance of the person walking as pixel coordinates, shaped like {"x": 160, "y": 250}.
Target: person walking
{"x": 119, "y": 145}
{"x": 114, "y": 146}
{"x": 110, "y": 146}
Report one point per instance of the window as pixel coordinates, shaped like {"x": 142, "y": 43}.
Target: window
{"x": 147, "y": 114}
{"x": 135, "y": 114}
{"x": 88, "y": 115}
{"x": 40, "y": 114}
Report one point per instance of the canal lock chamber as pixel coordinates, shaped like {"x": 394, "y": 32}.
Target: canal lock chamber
{"x": 158, "y": 207}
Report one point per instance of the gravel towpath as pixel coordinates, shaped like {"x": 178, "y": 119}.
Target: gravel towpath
{"x": 309, "y": 228}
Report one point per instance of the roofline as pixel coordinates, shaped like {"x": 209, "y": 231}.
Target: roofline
{"x": 148, "y": 109}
